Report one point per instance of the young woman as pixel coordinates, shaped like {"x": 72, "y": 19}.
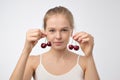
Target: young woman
{"x": 59, "y": 63}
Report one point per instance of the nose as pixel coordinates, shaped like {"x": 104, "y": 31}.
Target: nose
{"x": 58, "y": 35}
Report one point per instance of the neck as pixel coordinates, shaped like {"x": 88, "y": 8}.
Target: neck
{"x": 59, "y": 53}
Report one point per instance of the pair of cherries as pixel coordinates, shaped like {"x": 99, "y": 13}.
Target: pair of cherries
{"x": 75, "y": 47}
{"x": 44, "y": 45}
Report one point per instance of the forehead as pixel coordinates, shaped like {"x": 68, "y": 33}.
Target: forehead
{"x": 56, "y": 21}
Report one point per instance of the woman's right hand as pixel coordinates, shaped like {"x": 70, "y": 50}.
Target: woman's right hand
{"x": 32, "y": 37}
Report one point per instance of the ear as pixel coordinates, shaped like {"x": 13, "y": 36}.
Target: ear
{"x": 43, "y": 31}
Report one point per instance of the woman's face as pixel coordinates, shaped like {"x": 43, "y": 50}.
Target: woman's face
{"x": 58, "y": 31}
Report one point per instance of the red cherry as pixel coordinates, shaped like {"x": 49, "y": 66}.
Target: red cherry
{"x": 43, "y": 45}
{"x": 76, "y": 47}
{"x": 71, "y": 47}
{"x": 49, "y": 43}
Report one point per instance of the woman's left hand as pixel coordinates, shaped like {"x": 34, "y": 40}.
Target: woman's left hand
{"x": 86, "y": 42}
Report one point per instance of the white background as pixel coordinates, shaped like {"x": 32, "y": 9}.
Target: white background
{"x": 101, "y": 18}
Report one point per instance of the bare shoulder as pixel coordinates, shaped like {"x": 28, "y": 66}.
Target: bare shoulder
{"x": 33, "y": 60}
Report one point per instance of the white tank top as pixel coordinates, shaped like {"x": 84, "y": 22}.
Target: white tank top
{"x": 76, "y": 73}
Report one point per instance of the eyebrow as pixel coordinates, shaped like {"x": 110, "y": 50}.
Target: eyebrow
{"x": 61, "y": 28}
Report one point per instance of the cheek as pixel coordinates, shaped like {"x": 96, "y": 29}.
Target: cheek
{"x": 50, "y": 37}
{"x": 66, "y": 37}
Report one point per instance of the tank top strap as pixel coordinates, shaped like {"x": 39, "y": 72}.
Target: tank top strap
{"x": 78, "y": 59}
{"x": 41, "y": 59}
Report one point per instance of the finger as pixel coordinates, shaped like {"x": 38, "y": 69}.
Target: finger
{"x": 39, "y": 33}
{"x": 37, "y": 37}
{"x": 35, "y": 34}
{"x": 78, "y": 35}
{"x": 83, "y": 37}
{"x": 33, "y": 30}
{"x": 85, "y": 40}
{"x": 34, "y": 38}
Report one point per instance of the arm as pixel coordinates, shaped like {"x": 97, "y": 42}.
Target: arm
{"x": 86, "y": 42}
{"x": 23, "y": 65}
{"x": 20, "y": 67}
{"x": 31, "y": 65}
{"x": 90, "y": 71}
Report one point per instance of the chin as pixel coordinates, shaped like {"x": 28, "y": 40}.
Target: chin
{"x": 60, "y": 48}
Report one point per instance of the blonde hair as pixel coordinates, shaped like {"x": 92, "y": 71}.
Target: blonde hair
{"x": 59, "y": 10}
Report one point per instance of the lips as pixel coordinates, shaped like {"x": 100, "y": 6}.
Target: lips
{"x": 58, "y": 43}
